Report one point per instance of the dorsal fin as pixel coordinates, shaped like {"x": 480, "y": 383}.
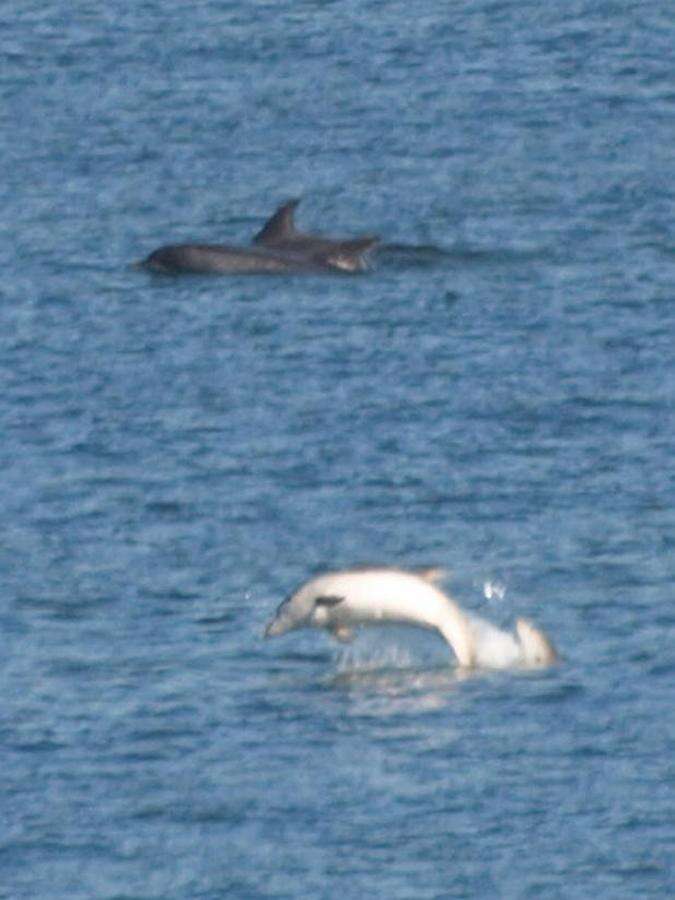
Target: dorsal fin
{"x": 280, "y": 226}
{"x": 432, "y": 574}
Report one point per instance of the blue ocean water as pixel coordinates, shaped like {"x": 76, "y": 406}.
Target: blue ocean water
{"x": 178, "y": 454}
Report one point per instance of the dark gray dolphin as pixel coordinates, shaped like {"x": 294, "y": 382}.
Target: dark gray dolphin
{"x": 222, "y": 259}
{"x": 280, "y": 233}
{"x": 280, "y": 248}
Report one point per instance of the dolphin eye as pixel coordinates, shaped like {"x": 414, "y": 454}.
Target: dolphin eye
{"x": 328, "y": 601}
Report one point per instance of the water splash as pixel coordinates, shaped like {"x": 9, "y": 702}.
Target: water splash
{"x": 388, "y": 678}
{"x": 367, "y": 656}
{"x": 494, "y": 590}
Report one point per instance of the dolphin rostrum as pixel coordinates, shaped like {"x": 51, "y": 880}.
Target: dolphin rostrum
{"x": 280, "y": 233}
{"x": 341, "y": 601}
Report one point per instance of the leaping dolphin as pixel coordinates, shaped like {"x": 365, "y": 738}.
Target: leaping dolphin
{"x": 280, "y": 233}
{"x": 341, "y": 601}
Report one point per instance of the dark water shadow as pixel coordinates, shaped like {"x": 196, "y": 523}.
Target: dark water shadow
{"x": 401, "y": 256}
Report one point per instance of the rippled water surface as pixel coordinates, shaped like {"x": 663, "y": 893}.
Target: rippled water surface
{"x": 495, "y": 396}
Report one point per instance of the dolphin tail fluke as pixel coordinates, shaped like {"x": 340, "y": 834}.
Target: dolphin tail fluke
{"x": 455, "y": 628}
{"x": 280, "y": 226}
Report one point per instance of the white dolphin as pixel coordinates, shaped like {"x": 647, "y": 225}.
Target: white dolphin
{"x": 342, "y": 601}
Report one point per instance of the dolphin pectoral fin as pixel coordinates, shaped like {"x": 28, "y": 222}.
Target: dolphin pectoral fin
{"x": 328, "y": 601}
{"x": 343, "y": 634}
{"x": 321, "y": 615}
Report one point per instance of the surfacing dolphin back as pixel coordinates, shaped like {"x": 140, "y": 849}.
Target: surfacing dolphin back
{"x": 279, "y": 233}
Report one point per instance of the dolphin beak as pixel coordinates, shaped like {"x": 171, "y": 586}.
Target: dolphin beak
{"x": 278, "y": 625}
{"x": 272, "y": 629}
